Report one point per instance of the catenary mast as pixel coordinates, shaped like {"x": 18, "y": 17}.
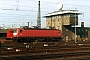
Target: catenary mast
{"x": 39, "y": 16}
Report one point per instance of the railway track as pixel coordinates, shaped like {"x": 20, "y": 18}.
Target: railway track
{"x": 53, "y": 56}
{"x": 44, "y": 51}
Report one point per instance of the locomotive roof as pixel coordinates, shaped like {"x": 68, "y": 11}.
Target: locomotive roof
{"x": 37, "y": 29}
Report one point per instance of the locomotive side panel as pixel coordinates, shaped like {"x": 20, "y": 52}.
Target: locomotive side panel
{"x": 40, "y": 33}
{"x": 36, "y": 34}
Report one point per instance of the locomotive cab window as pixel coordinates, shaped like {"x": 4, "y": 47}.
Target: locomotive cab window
{"x": 20, "y": 31}
{"x": 15, "y": 31}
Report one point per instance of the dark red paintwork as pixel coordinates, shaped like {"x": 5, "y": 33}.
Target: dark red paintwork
{"x": 9, "y": 34}
{"x": 37, "y": 34}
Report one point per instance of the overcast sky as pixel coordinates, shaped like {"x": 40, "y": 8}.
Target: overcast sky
{"x": 19, "y": 12}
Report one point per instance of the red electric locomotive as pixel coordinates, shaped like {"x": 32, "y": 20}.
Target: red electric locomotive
{"x": 28, "y": 34}
{"x": 9, "y": 34}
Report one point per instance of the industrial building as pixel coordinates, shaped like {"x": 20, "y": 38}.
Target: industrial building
{"x": 66, "y": 20}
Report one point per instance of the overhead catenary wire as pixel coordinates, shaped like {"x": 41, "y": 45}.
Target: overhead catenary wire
{"x": 41, "y": 8}
{"x": 25, "y": 16}
{"x": 17, "y": 4}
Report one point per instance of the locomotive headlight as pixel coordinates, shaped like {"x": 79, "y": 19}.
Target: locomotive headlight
{"x": 14, "y": 34}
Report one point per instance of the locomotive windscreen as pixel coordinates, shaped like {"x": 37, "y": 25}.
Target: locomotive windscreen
{"x": 15, "y": 31}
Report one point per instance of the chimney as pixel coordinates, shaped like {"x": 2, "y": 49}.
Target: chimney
{"x": 82, "y": 24}
{"x": 28, "y": 24}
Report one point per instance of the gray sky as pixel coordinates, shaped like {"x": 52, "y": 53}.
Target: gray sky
{"x": 19, "y": 12}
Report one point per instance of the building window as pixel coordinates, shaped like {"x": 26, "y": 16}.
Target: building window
{"x": 56, "y": 16}
{"x": 73, "y": 15}
{"x": 58, "y": 26}
{"x": 53, "y": 17}
{"x": 65, "y": 20}
{"x": 78, "y": 29}
{"x": 82, "y": 35}
{"x": 58, "y": 19}
{"x": 68, "y": 15}
{"x": 59, "y": 16}
{"x": 48, "y": 22}
{"x": 47, "y": 17}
